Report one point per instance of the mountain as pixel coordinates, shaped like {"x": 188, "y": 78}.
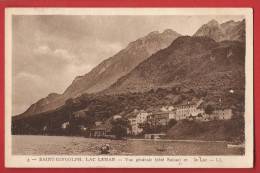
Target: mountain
{"x": 115, "y": 67}
{"x": 214, "y": 54}
{"x": 109, "y": 71}
{"x": 51, "y": 102}
{"x": 229, "y": 30}
{"x": 196, "y": 62}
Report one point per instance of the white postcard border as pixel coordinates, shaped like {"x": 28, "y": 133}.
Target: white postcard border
{"x": 245, "y": 161}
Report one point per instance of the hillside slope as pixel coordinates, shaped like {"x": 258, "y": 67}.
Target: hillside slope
{"x": 197, "y": 62}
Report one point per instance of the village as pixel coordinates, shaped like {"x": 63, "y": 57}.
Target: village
{"x": 151, "y": 123}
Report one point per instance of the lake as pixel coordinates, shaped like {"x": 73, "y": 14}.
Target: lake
{"x": 61, "y": 145}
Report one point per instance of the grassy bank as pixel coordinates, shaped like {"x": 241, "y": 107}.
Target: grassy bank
{"x": 221, "y": 130}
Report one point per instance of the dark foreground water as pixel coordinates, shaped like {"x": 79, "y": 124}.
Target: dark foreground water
{"x": 60, "y": 145}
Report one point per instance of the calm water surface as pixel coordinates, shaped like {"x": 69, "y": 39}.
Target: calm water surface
{"x": 60, "y": 145}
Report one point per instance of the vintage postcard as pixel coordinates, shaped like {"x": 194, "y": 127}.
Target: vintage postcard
{"x": 129, "y": 87}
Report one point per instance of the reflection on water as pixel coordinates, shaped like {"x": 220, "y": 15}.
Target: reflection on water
{"x": 60, "y": 145}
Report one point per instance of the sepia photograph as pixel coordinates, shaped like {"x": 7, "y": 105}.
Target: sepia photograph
{"x": 129, "y": 87}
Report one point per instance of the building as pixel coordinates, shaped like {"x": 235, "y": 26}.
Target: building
{"x": 190, "y": 110}
{"x": 101, "y": 130}
{"x": 172, "y": 114}
{"x": 141, "y": 116}
{"x": 45, "y": 128}
{"x": 195, "y": 110}
{"x": 136, "y": 118}
{"x": 167, "y": 108}
{"x": 65, "y": 125}
{"x": 187, "y": 110}
{"x": 97, "y": 132}
{"x": 221, "y": 114}
{"x": 158, "y": 118}
{"x": 135, "y": 129}
{"x": 155, "y": 119}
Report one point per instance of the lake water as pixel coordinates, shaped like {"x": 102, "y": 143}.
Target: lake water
{"x": 61, "y": 145}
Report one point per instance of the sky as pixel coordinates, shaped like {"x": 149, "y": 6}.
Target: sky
{"x": 49, "y": 51}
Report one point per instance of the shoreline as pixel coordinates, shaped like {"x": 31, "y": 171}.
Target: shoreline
{"x": 139, "y": 139}
{"x": 177, "y": 140}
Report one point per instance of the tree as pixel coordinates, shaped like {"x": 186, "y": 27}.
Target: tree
{"x": 209, "y": 109}
{"x": 119, "y": 127}
{"x": 147, "y": 127}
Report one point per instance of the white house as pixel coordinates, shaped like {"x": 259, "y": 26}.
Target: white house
{"x": 135, "y": 130}
{"x": 136, "y": 118}
{"x": 221, "y": 114}
{"x": 172, "y": 114}
{"x": 45, "y": 128}
{"x": 167, "y": 108}
{"x": 185, "y": 110}
{"x": 141, "y": 116}
{"x": 65, "y": 125}
{"x": 158, "y": 118}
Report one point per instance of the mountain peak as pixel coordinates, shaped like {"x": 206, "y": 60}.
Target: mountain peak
{"x": 230, "y": 21}
{"x": 168, "y": 31}
{"x": 153, "y": 33}
{"x": 229, "y": 30}
{"x": 212, "y": 23}
{"x": 165, "y": 32}
{"x": 53, "y": 95}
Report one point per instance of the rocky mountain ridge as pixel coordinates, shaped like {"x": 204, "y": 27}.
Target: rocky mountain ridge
{"x": 230, "y": 30}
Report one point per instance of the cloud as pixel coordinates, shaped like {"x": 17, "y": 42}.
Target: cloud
{"x": 42, "y": 50}
{"x": 57, "y": 53}
{"x": 108, "y": 47}
{"x": 27, "y": 76}
{"x": 27, "y": 89}
{"x": 62, "y": 53}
